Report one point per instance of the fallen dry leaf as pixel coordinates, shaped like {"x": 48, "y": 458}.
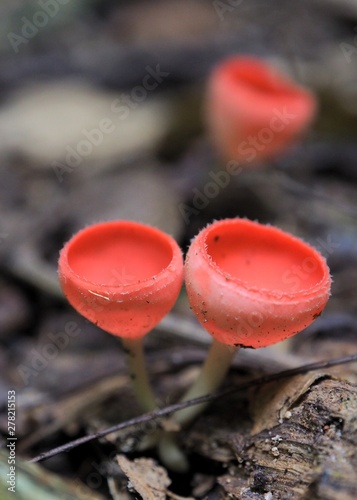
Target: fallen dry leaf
{"x": 146, "y": 477}
{"x": 42, "y": 121}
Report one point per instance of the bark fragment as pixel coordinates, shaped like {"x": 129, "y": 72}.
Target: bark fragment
{"x": 309, "y": 454}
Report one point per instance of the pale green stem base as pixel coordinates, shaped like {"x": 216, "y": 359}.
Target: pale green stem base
{"x": 212, "y": 374}
{"x": 174, "y": 458}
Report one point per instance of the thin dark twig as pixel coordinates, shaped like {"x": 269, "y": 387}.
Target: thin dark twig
{"x": 146, "y": 417}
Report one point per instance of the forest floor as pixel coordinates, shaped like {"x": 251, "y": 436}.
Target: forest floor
{"x": 292, "y": 438}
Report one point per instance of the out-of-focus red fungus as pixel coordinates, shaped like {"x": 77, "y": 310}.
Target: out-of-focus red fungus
{"x": 253, "y": 285}
{"x": 123, "y": 276}
{"x": 254, "y": 112}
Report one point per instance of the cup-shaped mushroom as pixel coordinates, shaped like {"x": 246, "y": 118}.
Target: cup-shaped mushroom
{"x": 253, "y": 285}
{"x": 252, "y": 111}
{"x": 122, "y": 275}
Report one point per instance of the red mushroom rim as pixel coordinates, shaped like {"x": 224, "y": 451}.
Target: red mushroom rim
{"x": 258, "y": 77}
{"x": 263, "y": 259}
{"x": 121, "y": 254}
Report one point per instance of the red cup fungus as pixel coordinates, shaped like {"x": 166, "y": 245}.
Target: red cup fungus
{"x": 249, "y": 285}
{"x": 123, "y": 276}
{"x": 252, "y": 111}
{"x": 253, "y": 285}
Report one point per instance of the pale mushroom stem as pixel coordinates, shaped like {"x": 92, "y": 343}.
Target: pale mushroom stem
{"x": 174, "y": 458}
{"x": 138, "y": 374}
{"x": 211, "y": 376}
